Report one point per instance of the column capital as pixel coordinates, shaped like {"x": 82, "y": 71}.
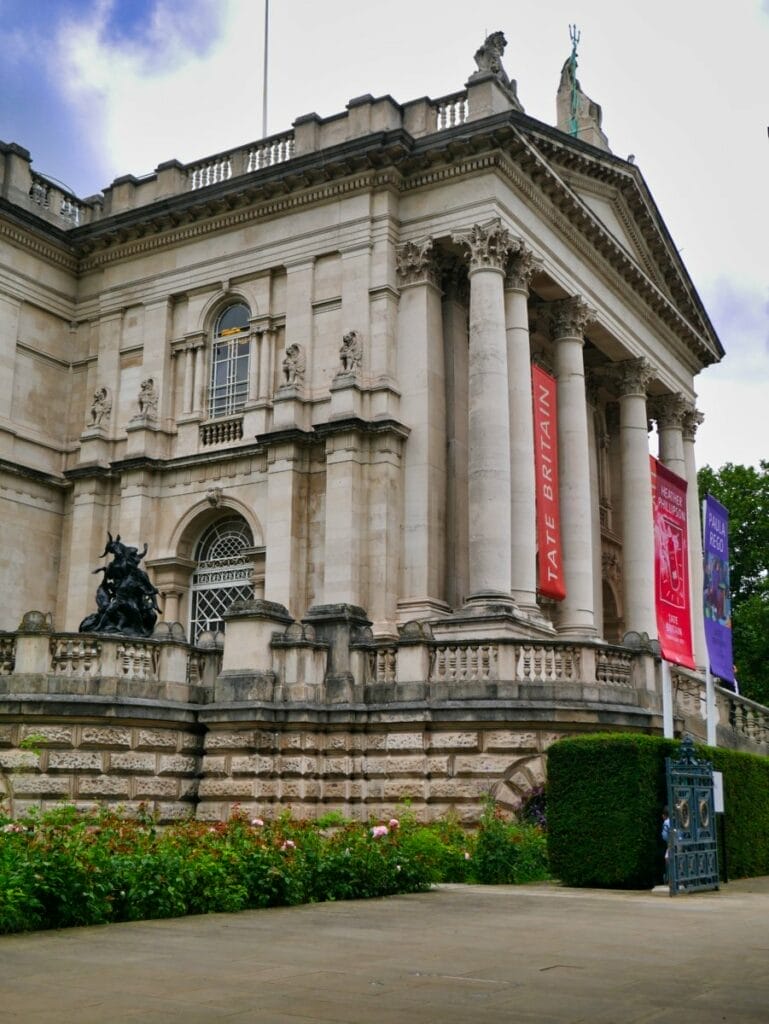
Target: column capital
{"x": 521, "y": 266}
{"x": 415, "y": 263}
{"x": 489, "y": 245}
{"x": 632, "y": 376}
{"x": 692, "y": 418}
{"x": 567, "y": 318}
{"x": 669, "y": 410}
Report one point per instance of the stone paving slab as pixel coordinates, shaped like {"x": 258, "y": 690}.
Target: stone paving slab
{"x": 458, "y": 954}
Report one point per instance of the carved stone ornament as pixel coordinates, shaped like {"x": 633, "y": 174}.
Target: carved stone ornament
{"x": 610, "y": 566}
{"x": 148, "y": 400}
{"x": 294, "y": 365}
{"x": 351, "y": 353}
{"x": 521, "y": 267}
{"x": 669, "y": 410}
{"x": 489, "y": 245}
{"x": 567, "y": 318}
{"x": 101, "y": 406}
{"x": 692, "y": 419}
{"x": 415, "y": 263}
{"x": 633, "y": 376}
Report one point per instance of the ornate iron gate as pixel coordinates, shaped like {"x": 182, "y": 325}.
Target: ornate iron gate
{"x": 693, "y": 846}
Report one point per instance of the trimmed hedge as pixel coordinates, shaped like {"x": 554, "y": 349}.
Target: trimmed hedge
{"x": 605, "y": 794}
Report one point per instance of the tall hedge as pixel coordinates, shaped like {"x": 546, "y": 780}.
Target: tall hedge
{"x": 604, "y": 798}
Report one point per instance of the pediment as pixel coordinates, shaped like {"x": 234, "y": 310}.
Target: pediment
{"x": 611, "y": 209}
{"x": 613, "y": 195}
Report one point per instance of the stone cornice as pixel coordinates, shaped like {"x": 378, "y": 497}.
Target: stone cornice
{"x": 525, "y": 150}
{"x": 33, "y": 235}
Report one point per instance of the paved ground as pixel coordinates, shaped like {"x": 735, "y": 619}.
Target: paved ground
{"x": 458, "y": 955}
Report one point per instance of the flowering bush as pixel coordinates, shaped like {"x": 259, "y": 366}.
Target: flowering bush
{"x": 65, "y": 868}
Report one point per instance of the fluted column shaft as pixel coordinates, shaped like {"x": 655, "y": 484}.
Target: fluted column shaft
{"x": 637, "y": 513}
{"x": 576, "y": 613}
{"x": 489, "y": 491}
{"x": 523, "y": 528}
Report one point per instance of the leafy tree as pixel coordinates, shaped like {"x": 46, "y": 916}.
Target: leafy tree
{"x": 744, "y": 491}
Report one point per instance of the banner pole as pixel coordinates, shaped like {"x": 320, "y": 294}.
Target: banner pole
{"x": 710, "y": 707}
{"x": 667, "y": 701}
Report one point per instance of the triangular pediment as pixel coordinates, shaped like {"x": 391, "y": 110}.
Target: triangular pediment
{"x": 612, "y": 193}
{"x": 611, "y": 209}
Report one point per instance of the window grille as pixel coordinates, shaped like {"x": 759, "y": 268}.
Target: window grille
{"x": 223, "y": 574}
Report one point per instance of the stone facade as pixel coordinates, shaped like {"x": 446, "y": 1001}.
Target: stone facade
{"x": 300, "y": 372}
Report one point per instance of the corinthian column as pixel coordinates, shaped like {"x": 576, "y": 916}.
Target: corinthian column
{"x": 568, "y": 319}
{"x": 633, "y": 375}
{"x": 423, "y": 407}
{"x": 669, "y": 412}
{"x": 489, "y": 493}
{"x": 691, "y": 420}
{"x": 522, "y": 504}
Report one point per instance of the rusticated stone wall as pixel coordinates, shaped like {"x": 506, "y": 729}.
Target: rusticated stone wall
{"x": 370, "y": 773}
{"x": 90, "y": 763}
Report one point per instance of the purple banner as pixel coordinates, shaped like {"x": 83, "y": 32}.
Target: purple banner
{"x": 716, "y": 597}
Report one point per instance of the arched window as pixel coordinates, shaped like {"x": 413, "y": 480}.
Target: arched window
{"x": 223, "y": 573}
{"x": 229, "y": 363}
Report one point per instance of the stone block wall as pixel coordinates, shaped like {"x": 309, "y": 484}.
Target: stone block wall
{"x": 370, "y": 773}
{"x": 86, "y": 763}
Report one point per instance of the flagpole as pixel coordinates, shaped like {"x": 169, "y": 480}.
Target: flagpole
{"x": 264, "y": 64}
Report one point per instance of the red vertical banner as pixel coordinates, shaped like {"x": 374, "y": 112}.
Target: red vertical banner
{"x": 671, "y": 565}
{"x": 550, "y": 580}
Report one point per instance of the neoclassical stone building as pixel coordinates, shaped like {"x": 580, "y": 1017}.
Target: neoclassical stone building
{"x": 300, "y": 371}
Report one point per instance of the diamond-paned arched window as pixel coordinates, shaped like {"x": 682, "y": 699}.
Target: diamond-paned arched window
{"x": 230, "y": 358}
{"x": 223, "y": 573}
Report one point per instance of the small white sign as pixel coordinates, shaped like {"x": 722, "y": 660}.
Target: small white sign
{"x": 718, "y": 792}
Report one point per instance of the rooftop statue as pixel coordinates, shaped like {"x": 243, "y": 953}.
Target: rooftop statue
{"x": 126, "y": 600}
{"x": 488, "y": 57}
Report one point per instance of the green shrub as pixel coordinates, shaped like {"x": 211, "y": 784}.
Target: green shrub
{"x": 604, "y": 798}
{"x": 509, "y": 852}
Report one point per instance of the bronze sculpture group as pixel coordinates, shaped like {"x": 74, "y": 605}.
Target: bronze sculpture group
{"x": 126, "y": 600}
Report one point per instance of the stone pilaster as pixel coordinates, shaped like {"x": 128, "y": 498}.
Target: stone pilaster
{"x": 286, "y": 527}
{"x": 489, "y": 486}
{"x": 692, "y": 418}
{"x": 568, "y": 319}
{"x": 421, "y": 376}
{"x": 633, "y": 376}
{"x": 520, "y": 269}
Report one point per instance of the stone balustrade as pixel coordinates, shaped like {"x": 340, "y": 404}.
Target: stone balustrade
{"x": 311, "y": 133}
{"x": 43, "y": 661}
{"x": 742, "y": 722}
{"x": 62, "y": 205}
{"x": 7, "y": 654}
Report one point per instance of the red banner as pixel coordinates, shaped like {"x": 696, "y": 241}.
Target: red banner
{"x": 549, "y": 560}
{"x": 671, "y": 565}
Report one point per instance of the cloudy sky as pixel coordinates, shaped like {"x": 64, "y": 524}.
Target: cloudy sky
{"x": 100, "y": 88}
